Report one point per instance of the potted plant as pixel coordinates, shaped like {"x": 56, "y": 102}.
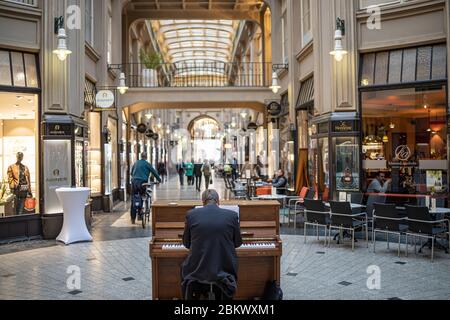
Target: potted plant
{"x": 150, "y": 61}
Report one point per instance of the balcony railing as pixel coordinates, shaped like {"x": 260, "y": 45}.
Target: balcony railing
{"x": 31, "y": 3}
{"x": 208, "y": 74}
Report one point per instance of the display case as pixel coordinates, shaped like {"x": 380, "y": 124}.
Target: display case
{"x": 347, "y": 163}
{"x": 94, "y": 163}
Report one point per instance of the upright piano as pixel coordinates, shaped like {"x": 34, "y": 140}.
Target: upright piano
{"x": 259, "y": 257}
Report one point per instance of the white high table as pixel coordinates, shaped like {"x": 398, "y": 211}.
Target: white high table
{"x": 73, "y": 201}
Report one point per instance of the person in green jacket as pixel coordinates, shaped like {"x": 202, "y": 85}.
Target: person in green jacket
{"x": 189, "y": 167}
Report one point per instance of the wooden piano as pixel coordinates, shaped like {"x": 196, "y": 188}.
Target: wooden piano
{"x": 259, "y": 257}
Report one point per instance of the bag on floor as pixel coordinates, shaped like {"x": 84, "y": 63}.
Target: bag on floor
{"x": 273, "y": 292}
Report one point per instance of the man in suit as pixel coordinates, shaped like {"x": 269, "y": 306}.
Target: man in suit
{"x": 212, "y": 234}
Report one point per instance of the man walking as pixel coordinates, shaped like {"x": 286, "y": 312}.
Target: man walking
{"x": 180, "y": 170}
{"x": 198, "y": 175}
{"x": 206, "y": 169}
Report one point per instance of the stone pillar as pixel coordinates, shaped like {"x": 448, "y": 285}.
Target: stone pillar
{"x": 334, "y": 82}
{"x": 54, "y": 72}
{"x": 75, "y": 61}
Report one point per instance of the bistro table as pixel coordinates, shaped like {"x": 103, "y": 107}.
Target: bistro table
{"x": 73, "y": 201}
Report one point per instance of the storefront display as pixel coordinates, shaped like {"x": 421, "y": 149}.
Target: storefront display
{"x": 18, "y": 136}
{"x": 405, "y": 136}
{"x": 94, "y": 171}
{"x": 404, "y": 108}
{"x": 113, "y": 145}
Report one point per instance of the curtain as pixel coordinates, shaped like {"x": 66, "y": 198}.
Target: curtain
{"x": 302, "y": 170}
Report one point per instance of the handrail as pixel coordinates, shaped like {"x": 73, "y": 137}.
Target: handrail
{"x": 202, "y": 73}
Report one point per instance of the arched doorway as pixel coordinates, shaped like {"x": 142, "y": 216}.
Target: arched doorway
{"x": 206, "y": 139}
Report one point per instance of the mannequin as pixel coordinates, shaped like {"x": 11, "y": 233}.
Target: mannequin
{"x": 19, "y": 183}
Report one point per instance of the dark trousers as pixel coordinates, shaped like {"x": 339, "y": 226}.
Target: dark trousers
{"x": 181, "y": 175}
{"x": 136, "y": 191}
{"x": 198, "y": 291}
{"x": 198, "y": 182}
{"x": 190, "y": 180}
{"x": 207, "y": 181}
{"x": 19, "y": 201}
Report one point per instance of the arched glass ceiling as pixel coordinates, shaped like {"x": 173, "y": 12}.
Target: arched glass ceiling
{"x": 196, "y": 42}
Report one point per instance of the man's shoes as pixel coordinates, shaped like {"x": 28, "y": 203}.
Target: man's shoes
{"x": 133, "y": 221}
{"x": 140, "y": 217}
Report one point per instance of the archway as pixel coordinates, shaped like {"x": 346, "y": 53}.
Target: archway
{"x": 206, "y": 139}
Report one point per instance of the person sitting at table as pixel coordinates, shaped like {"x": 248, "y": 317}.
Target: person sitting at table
{"x": 379, "y": 184}
{"x": 280, "y": 182}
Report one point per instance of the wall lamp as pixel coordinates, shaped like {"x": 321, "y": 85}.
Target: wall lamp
{"x": 61, "y": 51}
{"x": 339, "y": 52}
{"x": 122, "y": 87}
{"x": 275, "y": 81}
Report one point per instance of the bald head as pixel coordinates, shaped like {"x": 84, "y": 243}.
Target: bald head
{"x": 210, "y": 197}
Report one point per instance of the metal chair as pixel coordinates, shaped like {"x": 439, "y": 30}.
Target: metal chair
{"x": 386, "y": 220}
{"x": 316, "y": 215}
{"x": 422, "y": 225}
{"x": 342, "y": 218}
{"x": 299, "y": 206}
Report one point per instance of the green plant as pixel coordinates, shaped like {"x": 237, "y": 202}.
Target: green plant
{"x": 150, "y": 60}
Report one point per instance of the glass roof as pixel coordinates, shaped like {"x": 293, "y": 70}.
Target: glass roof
{"x": 196, "y": 42}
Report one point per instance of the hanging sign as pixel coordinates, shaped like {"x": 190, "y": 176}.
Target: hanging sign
{"x": 274, "y": 108}
{"x": 104, "y": 99}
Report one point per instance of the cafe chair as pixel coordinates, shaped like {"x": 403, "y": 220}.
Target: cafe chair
{"x": 343, "y": 219}
{"x": 299, "y": 206}
{"x": 318, "y": 216}
{"x": 371, "y": 200}
{"x": 422, "y": 225}
{"x": 386, "y": 219}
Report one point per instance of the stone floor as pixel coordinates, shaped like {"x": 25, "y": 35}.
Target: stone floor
{"x": 117, "y": 265}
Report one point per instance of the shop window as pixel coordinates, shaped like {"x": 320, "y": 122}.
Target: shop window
{"x": 424, "y": 63}
{"x": 405, "y": 137}
{"x": 112, "y": 126}
{"x": 5, "y": 69}
{"x": 18, "y": 134}
{"x": 23, "y": 67}
{"x": 94, "y": 154}
{"x": 347, "y": 163}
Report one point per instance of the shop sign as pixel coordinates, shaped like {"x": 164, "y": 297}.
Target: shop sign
{"x": 58, "y": 129}
{"x": 344, "y": 126}
{"x": 252, "y": 126}
{"x": 104, "y": 99}
{"x": 403, "y": 153}
{"x": 274, "y": 108}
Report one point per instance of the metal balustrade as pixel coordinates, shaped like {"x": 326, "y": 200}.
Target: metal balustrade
{"x": 207, "y": 74}
{"x": 31, "y": 3}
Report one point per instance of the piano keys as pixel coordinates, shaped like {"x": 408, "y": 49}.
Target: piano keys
{"x": 259, "y": 256}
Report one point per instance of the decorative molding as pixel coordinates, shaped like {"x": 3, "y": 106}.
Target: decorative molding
{"x": 91, "y": 52}
{"x": 305, "y": 51}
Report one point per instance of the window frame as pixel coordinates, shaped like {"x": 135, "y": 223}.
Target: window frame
{"x": 89, "y": 16}
{"x": 306, "y": 34}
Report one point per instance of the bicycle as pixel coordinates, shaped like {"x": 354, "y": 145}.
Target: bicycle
{"x": 144, "y": 207}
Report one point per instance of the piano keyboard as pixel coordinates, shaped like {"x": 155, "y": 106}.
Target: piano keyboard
{"x": 262, "y": 245}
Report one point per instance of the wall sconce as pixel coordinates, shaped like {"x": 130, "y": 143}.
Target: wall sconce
{"x": 275, "y": 87}
{"x": 244, "y": 114}
{"x": 61, "y": 51}
{"x": 339, "y": 51}
{"x": 122, "y": 84}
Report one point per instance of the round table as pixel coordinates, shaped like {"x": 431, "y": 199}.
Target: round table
{"x": 73, "y": 201}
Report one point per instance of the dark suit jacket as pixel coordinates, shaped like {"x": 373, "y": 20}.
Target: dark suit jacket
{"x": 212, "y": 234}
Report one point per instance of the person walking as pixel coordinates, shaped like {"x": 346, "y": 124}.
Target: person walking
{"x": 234, "y": 167}
{"x": 180, "y": 170}
{"x": 206, "y": 169}
{"x": 198, "y": 175}
{"x": 162, "y": 171}
{"x": 190, "y": 173}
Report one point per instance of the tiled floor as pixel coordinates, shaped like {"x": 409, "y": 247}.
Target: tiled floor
{"x": 117, "y": 265}
{"x": 120, "y": 269}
